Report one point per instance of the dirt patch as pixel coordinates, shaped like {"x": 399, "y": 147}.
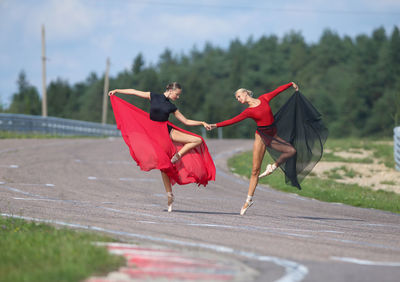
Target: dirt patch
{"x": 374, "y": 175}
{"x": 354, "y": 154}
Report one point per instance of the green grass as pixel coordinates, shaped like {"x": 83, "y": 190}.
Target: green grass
{"x": 328, "y": 190}
{"x": 381, "y": 150}
{"x": 339, "y": 172}
{"x": 331, "y": 157}
{"x": 32, "y": 251}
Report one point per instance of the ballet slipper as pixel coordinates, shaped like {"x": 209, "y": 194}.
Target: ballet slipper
{"x": 249, "y": 202}
{"x": 270, "y": 169}
{"x": 176, "y": 158}
{"x": 171, "y": 199}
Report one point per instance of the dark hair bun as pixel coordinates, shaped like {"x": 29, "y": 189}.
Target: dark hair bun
{"x": 173, "y": 85}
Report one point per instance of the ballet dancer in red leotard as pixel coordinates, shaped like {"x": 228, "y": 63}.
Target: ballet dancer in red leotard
{"x": 266, "y": 134}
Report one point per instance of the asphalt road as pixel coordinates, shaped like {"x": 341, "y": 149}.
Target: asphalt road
{"x": 94, "y": 184}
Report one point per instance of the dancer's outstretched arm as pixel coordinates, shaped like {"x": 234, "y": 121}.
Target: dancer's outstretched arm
{"x": 189, "y": 122}
{"x": 270, "y": 95}
{"x": 243, "y": 115}
{"x": 138, "y": 93}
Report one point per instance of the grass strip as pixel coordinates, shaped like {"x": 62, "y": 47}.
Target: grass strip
{"x": 31, "y": 251}
{"x": 321, "y": 189}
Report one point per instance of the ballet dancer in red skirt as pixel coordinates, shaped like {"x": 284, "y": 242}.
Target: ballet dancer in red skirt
{"x": 155, "y": 143}
{"x": 294, "y": 139}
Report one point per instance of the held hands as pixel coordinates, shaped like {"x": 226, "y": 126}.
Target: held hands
{"x": 206, "y": 125}
{"x": 295, "y": 86}
{"x": 112, "y": 92}
{"x": 210, "y": 126}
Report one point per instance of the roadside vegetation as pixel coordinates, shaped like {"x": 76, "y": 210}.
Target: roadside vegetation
{"x": 338, "y": 184}
{"x": 31, "y": 251}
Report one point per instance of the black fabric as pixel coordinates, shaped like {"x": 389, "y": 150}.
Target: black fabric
{"x": 160, "y": 107}
{"x": 169, "y": 128}
{"x": 300, "y": 124}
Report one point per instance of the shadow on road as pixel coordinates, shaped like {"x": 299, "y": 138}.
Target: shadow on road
{"x": 204, "y": 212}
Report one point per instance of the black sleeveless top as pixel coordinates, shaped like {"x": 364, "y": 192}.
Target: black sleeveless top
{"x": 160, "y": 107}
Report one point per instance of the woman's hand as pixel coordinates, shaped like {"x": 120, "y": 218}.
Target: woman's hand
{"x": 112, "y": 92}
{"x": 295, "y": 86}
{"x": 211, "y": 126}
{"x": 206, "y": 125}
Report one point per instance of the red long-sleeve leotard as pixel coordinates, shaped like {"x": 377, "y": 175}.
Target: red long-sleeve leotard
{"x": 262, "y": 113}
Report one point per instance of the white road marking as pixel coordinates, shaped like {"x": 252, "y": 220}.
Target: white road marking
{"x": 256, "y": 228}
{"x": 10, "y": 166}
{"x": 30, "y": 184}
{"x": 149, "y": 222}
{"x": 380, "y": 225}
{"x": 293, "y": 271}
{"x": 35, "y": 199}
{"x": 126, "y": 179}
{"x": 366, "y": 262}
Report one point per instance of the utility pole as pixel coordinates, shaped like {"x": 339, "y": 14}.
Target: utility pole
{"x": 44, "y": 94}
{"x": 105, "y": 93}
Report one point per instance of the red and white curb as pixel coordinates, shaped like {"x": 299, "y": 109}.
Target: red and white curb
{"x": 155, "y": 264}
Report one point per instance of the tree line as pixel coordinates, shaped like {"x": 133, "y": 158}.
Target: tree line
{"x": 353, "y": 82}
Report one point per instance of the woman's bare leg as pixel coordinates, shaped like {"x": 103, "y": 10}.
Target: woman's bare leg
{"x": 168, "y": 189}
{"x": 167, "y": 183}
{"x": 286, "y": 149}
{"x": 190, "y": 141}
{"x": 258, "y": 155}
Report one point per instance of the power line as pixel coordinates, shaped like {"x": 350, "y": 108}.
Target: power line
{"x": 268, "y": 9}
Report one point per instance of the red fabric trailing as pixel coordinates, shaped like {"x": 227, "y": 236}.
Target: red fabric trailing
{"x": 152, "y": 148}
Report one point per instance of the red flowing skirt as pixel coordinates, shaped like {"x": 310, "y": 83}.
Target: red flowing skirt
{"x": 152, "y": 148}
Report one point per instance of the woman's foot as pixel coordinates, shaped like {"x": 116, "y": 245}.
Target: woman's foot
{"x": 270, "y": 169}
{"x": 176, "y": 158}
{"x": 249, "y": 202}
{"x": 170, "y": 201}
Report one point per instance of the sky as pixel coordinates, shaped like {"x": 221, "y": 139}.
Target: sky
{"x": 82, "y": 34}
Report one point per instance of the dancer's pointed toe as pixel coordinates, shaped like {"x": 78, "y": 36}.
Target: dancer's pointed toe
{"x": 245, "y": 207}
{"x": 171, "y": 199}
{"x": 270, "y": 169}
{"x": 176, "y": 158}
{"x": 249, "y": 202}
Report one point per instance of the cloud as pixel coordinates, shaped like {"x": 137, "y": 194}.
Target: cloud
{"x": 385, "y": 4}
{"x": 64, "y": 20}
{"x": 80, "y": 35}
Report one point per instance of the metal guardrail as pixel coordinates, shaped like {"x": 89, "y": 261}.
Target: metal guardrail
{"x": 396, "y": 137}
{"x": 55, "y": 126}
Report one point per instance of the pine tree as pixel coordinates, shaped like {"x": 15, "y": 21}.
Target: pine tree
{"x": 26, "y": 100}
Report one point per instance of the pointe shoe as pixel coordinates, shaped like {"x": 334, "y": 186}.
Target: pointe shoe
{"x": 270, "y": 169}
{"x": 170, "y": 201}
{"x": 244, "y": 209}
{"x": 176, "y": 158}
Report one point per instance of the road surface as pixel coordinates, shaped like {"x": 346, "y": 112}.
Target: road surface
{"x": 94, "y": 184}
